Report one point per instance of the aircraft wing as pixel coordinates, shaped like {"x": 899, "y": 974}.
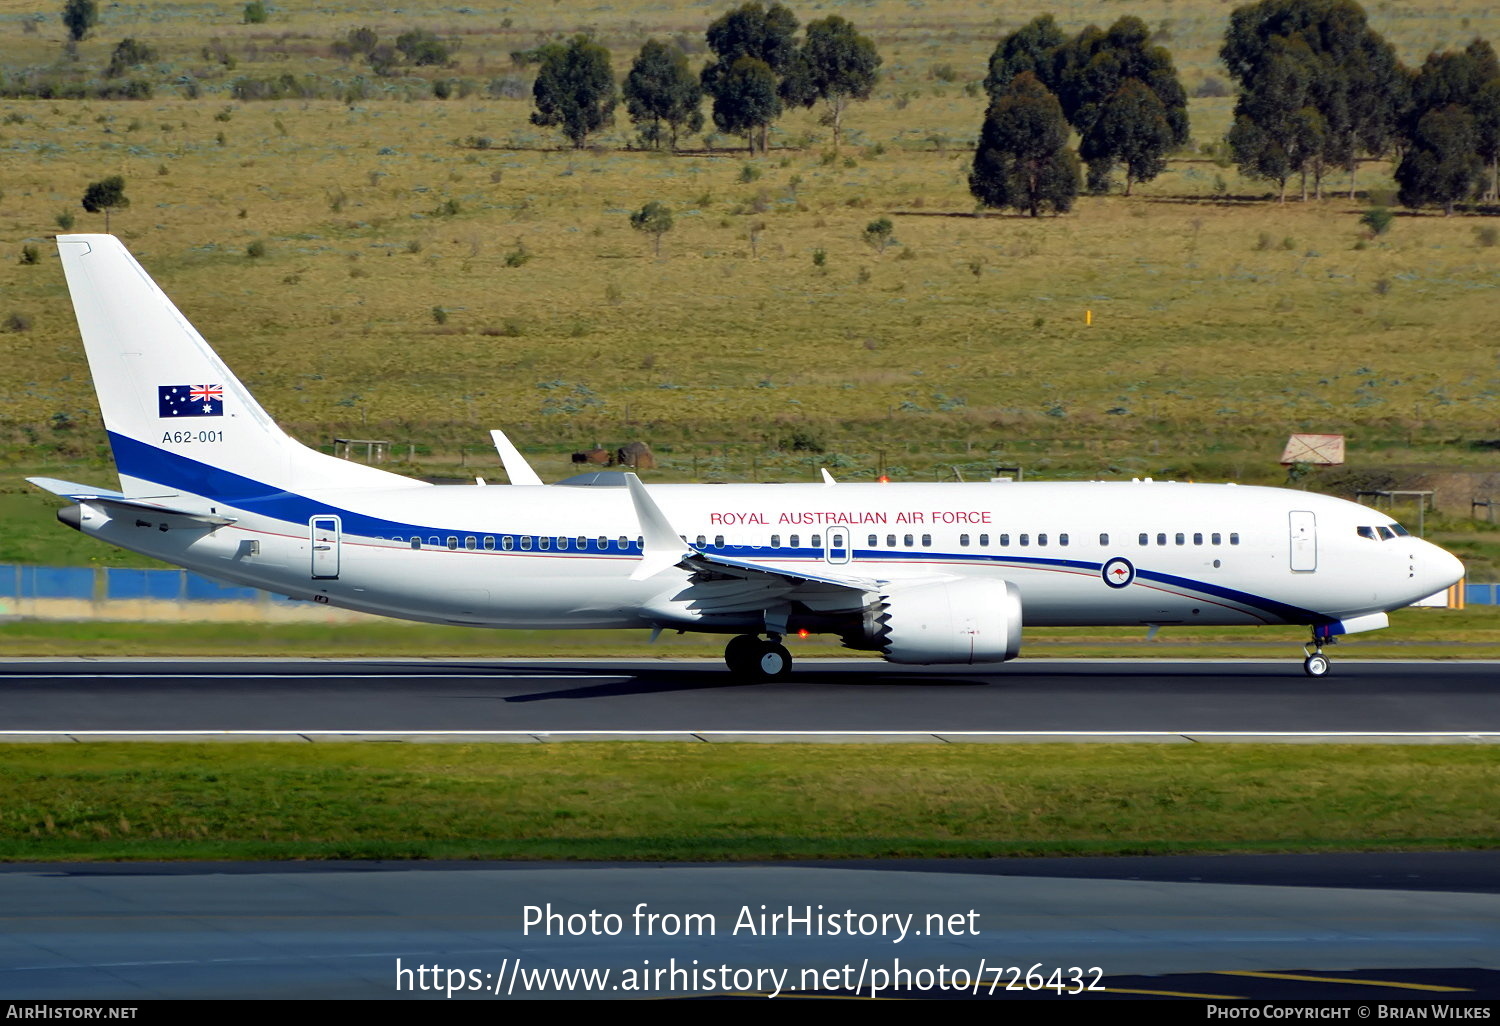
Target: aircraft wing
{"x": 666, "y": 548}
{"x": 707, "y": 562}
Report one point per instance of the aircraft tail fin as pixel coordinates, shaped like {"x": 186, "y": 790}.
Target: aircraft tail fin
{"x": 178, "y": 418}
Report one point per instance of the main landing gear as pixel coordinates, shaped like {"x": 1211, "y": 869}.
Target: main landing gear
{"x": 1316, "y": 664}
{"x": 756, "y": 658}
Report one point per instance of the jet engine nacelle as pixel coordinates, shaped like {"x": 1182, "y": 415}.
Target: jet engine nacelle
{"x": 964, "y": 621}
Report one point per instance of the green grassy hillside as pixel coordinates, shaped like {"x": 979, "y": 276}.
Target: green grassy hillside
{"x": 433, "y": 268}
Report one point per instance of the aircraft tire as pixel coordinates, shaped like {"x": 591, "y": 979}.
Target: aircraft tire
{"x": 742, "y": 655}
{"x": 1316, "y": 665}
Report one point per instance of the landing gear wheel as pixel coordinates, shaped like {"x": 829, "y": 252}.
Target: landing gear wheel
{"x": 1315, "y": 665}
{"x": 756, "y": 658}
{"x": 742, "y": 655}
{"x": 775, "y": 661}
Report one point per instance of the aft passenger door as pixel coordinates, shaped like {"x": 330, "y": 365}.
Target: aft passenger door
{"x": 1304, "y": 540}
{"x": 324, "y": 535}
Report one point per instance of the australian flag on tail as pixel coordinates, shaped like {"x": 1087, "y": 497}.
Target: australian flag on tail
{"x": 190, "y": 400}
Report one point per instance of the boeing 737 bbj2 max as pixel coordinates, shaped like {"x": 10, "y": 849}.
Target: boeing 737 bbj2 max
{"x": 921, "y": 573}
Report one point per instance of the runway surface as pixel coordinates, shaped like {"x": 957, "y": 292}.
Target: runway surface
{"x": 1399, "y": 927}
{"x": 1104, "y": 698}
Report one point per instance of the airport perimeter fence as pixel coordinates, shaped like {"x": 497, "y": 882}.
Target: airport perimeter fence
{"x": 124, "y": 593}
{"x": 132, "y": 594}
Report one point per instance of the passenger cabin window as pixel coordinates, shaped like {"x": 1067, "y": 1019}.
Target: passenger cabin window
{"x": 1161, "y": 539}
{"x": 1104, "y": 539}
{"x": 452, "y": 542}
{"x": 506, "y": 542}
{"x": 984, "y": 541}
{"x": 702, "y": 540}
{"x": 489, "y": 543}
{"x": 1234, "y": 538}
{"x": 583, "y": 543}
{"x": 963, "y": 540}
{"x": 416, "y": 543}
{"x": 526, "y": 541}
{"x": 1005, "y": 541}
{"x": 562, "y": 543}
{"x": 793, "y": 539}
{"x": 817, "y": 541}
{"x": 1025, "y": 539}
{"x": 718, "y": 541}
{"x": 603, "y": 543}
{"x": 1041, "y": 539}
{"x": 433, "y": 542}
{"x": 544, "y": 543}
{"x": 775, "y": 541}
{"x": 470, "y": 542}
{"x": 926, "y": 541}
{"x": 1181, "y": 538}
{"x": 624, "y": 543}
{"x": 890, "y": 541}
{"x": 908, "y": 540}
{"x": 874, "y": 540}
{"x": 1197, "y": 538}
{"x": 1216, "y": 538}
{"x": 1062, "y": 540}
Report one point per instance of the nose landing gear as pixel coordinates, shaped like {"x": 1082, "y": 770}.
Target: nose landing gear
{"x": 1316, "y": 664}
{"x": 754, "y": 658}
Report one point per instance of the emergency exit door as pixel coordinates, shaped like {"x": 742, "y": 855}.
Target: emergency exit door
{"x": 837, "y": 550}
{"x": 324, "y": 534}
{"x": 1304, "y": 538}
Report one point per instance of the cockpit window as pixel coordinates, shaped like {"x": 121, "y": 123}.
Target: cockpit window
{"x": 1386, "y": 534}
{"x": 1400, "y": 531}
{"x": 1366, "y": 532}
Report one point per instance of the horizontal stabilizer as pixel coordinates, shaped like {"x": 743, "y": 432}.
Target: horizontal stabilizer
{"x": 115, "y": 505}
{"x": 73, "y": 490}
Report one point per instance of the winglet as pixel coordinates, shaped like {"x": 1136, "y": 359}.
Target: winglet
{"x": 664, "y": 547}
{"x": 516, "y": 467}
{"x": 827, "y": 477}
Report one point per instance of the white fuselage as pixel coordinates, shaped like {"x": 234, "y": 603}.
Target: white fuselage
{"x": 562, "y": 556}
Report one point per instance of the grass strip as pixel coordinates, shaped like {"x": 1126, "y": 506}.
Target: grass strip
{"x": 663, "y": 801}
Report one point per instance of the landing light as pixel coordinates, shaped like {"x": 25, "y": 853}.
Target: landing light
{"x": 804, "y": 632}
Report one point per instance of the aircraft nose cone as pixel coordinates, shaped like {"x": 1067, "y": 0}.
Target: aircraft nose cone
{"x": 1449, "y": 567}
{"x": 1438, "y": 568}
